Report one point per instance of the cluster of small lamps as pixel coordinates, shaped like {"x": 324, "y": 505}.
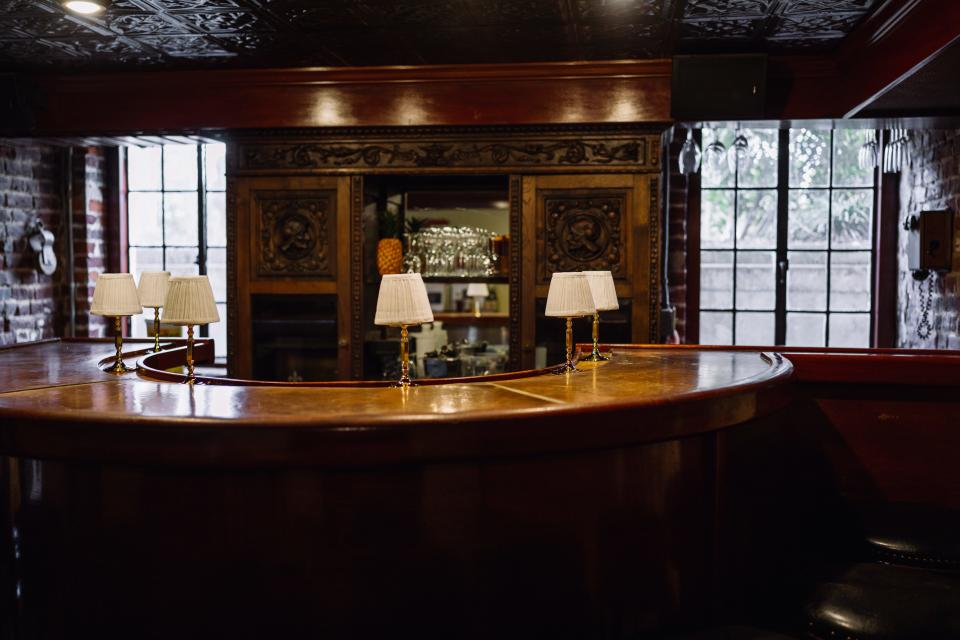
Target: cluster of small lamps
{"x": 402, "y": 302}
{"x": 186, "y": 301}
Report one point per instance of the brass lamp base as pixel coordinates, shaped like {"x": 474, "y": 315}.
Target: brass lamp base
{"x": 595, "y": 355}
{"x": 118, "y": 367}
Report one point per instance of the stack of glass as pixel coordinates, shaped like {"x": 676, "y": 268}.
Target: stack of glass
{"x": 457, "y": 252}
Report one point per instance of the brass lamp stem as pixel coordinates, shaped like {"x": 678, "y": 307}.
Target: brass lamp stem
{"x": 595, "y": 355}
{"x": 570, "y": 364}
{"x": 476, "y": 307}
{"x": 404, "y": 357}
{"x": 190, "y": 376}
{"x": 156, "y": 329}
{"x": 118, "y": 365}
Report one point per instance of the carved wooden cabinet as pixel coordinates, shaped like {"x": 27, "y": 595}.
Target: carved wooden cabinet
{"x": 580, "y": 198}
{"x": 291, "y": 239}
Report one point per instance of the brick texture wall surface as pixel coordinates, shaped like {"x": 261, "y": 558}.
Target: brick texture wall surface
{"x": 930, "y": 180}
{"x": 89, "y": 242}
{"x": 30, "y": 302}
{"x": 34, "y": 306}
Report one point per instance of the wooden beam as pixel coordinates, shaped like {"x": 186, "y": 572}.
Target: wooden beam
{"x": 893, "y": 43}
{"x": 454, "y": 95}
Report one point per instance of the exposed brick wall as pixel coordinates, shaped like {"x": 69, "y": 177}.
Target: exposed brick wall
{"x": 32, "y": 305}
{"x": 930, "y": 180}
{"x": 30, "y": 302}
{"x": 89, "y": 243}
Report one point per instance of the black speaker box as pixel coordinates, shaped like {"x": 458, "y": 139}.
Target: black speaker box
{"x": 16, "y": 100}
{"x": 728, "y": 87}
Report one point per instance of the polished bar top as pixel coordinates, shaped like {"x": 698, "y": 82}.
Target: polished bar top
{"x": 56, "y": 401}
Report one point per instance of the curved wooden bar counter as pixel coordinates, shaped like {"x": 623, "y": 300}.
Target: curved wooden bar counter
{"x": 533, "y": 505}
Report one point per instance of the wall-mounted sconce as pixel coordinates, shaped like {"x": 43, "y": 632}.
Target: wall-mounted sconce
{"x": 41, "y": 242}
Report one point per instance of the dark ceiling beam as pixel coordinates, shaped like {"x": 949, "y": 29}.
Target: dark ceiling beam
{"x": 455, "y": 95}
{"x": 892, "y": 44}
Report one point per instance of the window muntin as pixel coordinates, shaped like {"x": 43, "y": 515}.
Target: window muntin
{"x": 176, "y": 220}
{"x": 827, "y": 208}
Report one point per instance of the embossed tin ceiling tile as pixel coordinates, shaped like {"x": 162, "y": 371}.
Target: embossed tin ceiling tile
{"x": 39, "y": 52}
{"x": 827, "y": 6}
{"x": 722, "y": 29}
{"x": 192, "y": 5}
{"x": 186, "y": 46}
{"x": 44, "y": 25}
{"x": 723, "y": 9}
{"x": 823, "y": 25}
{"x": 145, "y": 24}
{"x": 587, "y": 10}
{"x": 434, "y": 13}
{"x": 223, "y": 21}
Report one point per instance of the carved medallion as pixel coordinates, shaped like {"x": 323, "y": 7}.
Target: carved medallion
{"x": 294, "y": 236}
{"x": 584, "y": 234}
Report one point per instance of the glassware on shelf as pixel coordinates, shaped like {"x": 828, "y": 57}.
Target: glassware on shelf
{"x": 451, "y": 252}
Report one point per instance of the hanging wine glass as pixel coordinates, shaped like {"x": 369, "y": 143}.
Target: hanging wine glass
{"x": 689, "y": 160}
{"x": 738, "y": 155}
{"x": 867, "y": 157}
{"x": 714, "y": 156}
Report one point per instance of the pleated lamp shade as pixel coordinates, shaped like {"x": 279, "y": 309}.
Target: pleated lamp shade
{"x": 190, "y": 301}
{"x": 477, "y": 290}
{"x": 115, "y": 294}
{"x": 603, "y": 290}
{"x": 569, "y": 295}
{"x": 403, "y": 300}
{"x": 153, "y": 288}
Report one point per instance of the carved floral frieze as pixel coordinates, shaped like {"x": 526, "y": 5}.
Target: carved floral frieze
{"x": 318, "y": 155}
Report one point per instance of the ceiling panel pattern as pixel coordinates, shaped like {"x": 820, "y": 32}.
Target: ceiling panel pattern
{"x": 40, "y": 34}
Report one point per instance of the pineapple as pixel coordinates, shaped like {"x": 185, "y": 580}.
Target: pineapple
{"x": 389, "y": 255}
{"x": 389, "y": 247}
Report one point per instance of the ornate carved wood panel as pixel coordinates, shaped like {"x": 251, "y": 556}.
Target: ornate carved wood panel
{"x": 265, "y": 33}
{"x": 584, "y": 231}
{"x": 296, "y": 232}
{"x": 599, "y": 148}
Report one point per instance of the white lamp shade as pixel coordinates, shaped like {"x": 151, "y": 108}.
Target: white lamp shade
{"x": 403, "y": 300}
{"x": 190, "y": 301}
{"x": 477, "y": 290}
{"x": 569, "y": 295}
{"x": 603, "y": 290}
{"x": 115, "y": 294}
{"x": 153, "y": 288}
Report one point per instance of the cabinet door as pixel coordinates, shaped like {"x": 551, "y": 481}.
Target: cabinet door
{"x": 289, "y": 237}
{"x": 593, "y": 223}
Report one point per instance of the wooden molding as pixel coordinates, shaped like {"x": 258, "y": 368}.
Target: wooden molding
{"x": 177, "y": 101}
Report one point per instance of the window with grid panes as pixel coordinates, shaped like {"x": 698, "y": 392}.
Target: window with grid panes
{"x": 786, "y": 243}
{"x": 176, "y": 208}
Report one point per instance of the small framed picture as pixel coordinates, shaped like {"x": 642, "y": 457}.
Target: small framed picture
{"x": 438, "y": 295}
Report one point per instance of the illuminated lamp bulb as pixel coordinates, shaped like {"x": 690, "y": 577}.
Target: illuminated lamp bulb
{"x": 86, "y": 7}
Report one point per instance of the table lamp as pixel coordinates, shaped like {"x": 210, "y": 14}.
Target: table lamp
{"x": 402, "y": 302}
{"x": 115, "y": 294}
{"x": 478, "y": 291}
{"x": 605, "y": 299}
{"x": 569, "y": 297}
{"x": 190, "y": 302}
{"x": 153, "y": 291}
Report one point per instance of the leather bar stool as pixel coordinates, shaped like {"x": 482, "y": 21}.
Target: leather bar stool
{"x": 910, "y": 590}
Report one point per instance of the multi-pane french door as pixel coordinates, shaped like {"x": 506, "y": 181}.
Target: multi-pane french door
{"x": 786, "y": 240}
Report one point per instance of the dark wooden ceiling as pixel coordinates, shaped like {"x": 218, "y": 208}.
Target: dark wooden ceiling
{"x": 40, "y": 34}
